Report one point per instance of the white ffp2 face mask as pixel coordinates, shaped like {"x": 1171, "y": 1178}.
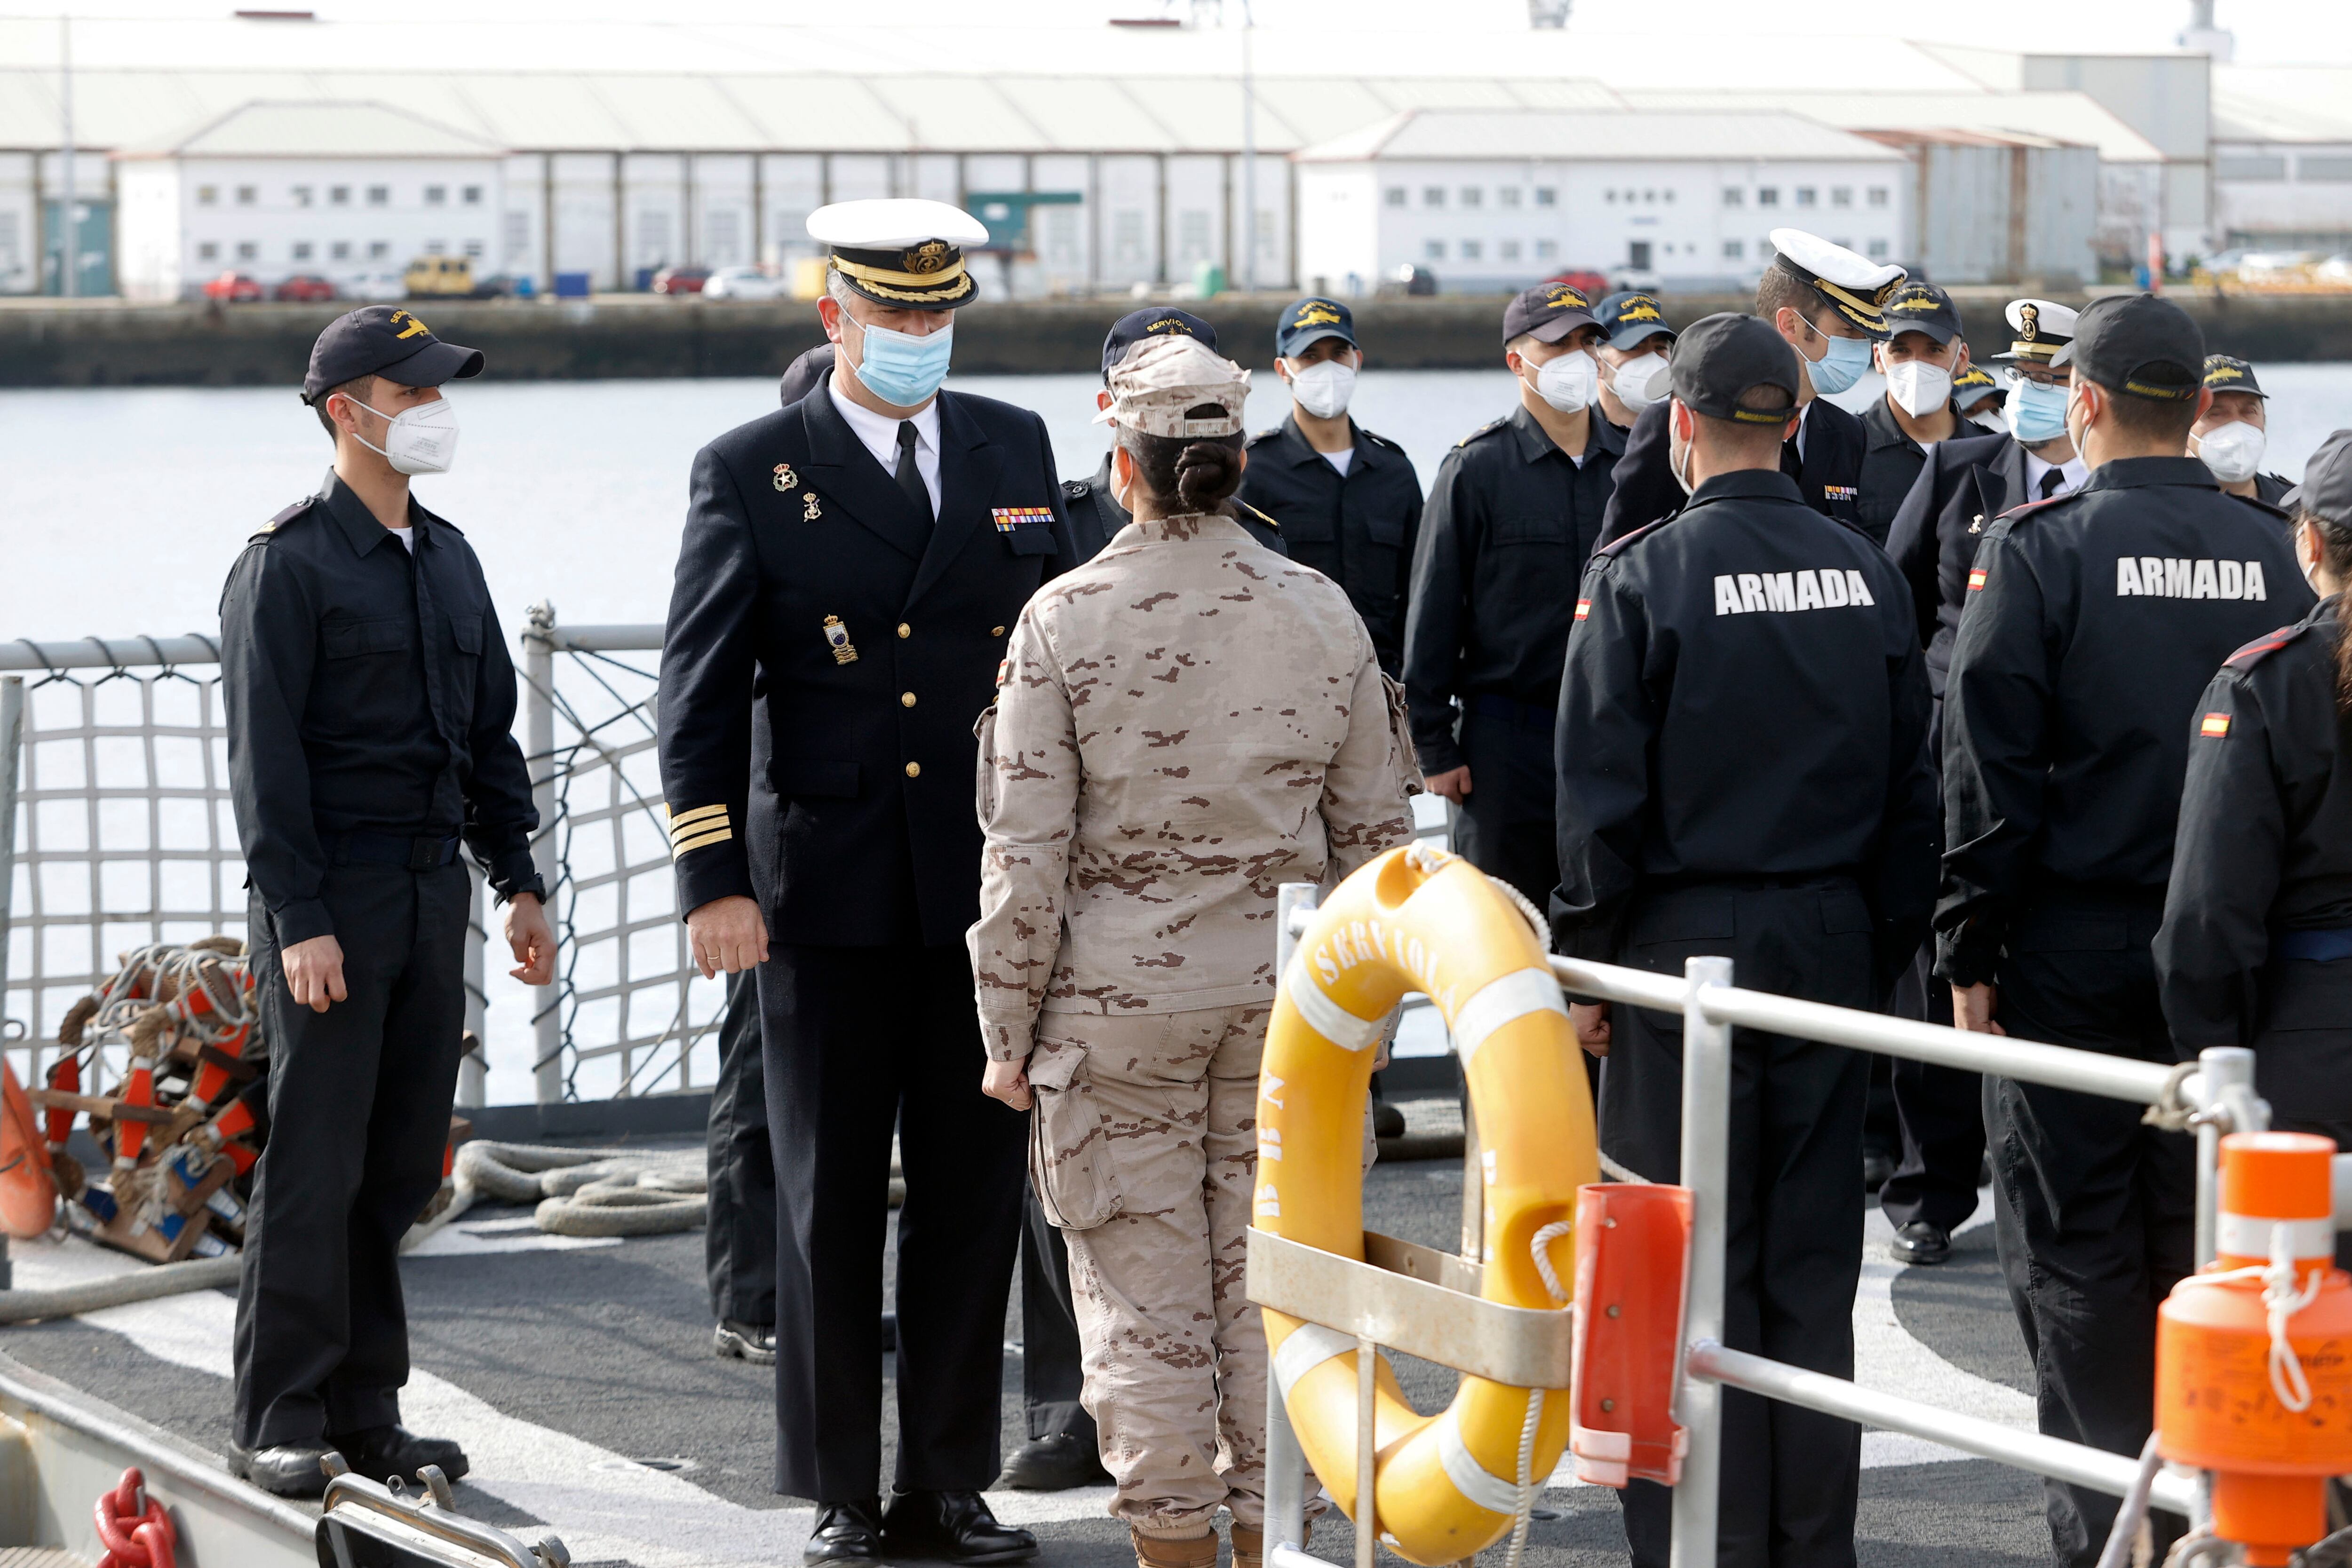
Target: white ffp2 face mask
{"x": 2233, "y": 450}
{"x": 1639, "y": 381}
{"x": 1323, "y": 389}
{"x": 420, "y": 440}
{"x": 1568, "y": 382}
{"x": 1919, "y": 387}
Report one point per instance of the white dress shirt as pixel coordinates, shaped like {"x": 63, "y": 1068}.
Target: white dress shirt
{"x": 879, "y": 432}
{"x": 2074, "y": 475}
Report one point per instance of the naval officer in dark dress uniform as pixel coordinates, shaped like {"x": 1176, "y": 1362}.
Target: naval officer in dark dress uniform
{"x": 370, "y": 708}
{"x": 849, "y": 569}
{"x": 1829, "y": 304}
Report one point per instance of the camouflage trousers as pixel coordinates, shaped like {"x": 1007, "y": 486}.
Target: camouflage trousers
{"x": 1144, "y": 1152}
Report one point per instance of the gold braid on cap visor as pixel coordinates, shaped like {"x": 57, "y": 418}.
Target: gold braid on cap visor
{"x": 916, "y": 287}
{"x": 1863, "y": 313}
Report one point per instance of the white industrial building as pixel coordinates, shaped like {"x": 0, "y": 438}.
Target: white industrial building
{"x": 1497, "y": 200}
{"x": 2282, "y": 158}
{"x": 273, "y": 190}
{"x": 632, "y": 144}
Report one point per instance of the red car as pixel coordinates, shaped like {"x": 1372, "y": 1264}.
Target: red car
{"x": 305, "y": 288}
{"x": 680, "y": 279}
{"x": 1591, "y": 284}
{"x": 235, "y": 288}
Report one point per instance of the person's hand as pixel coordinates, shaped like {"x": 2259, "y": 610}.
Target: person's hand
{"x": 533, "y": 940}
{"x": 1453, "y": 783}
{"x": 1972, "y": 1010}
{"x": 727, "y": 933}
{"x": 314, "y": 973}
{"x": 1591, "y": 1022}
{"x": 1008, "y": 1081}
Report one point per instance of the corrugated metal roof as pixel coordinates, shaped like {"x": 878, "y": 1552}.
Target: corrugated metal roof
{"x": 2073, "y": 117}
{"x": 1584, "y": 136}
{"x": 321, "y": 130}
{"x": 2283, "y": 103}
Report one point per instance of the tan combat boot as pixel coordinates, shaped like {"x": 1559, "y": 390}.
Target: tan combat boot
{"x": 1249, "y": 1545}
{"x": 1158, "y": 1552}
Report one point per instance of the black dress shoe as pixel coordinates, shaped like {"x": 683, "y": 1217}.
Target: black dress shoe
{"x": 846, "y": 1532}
{"x": 1920, "y": 1242}
{"x": 381, "y": 1453}
{"x": 754, "y": 1343}
{"x": 287, "y": 1469}
{"x": 1056, "y": 1462}
{"x": 953, "y": 1527}
{"x": 1388, "y": 1122}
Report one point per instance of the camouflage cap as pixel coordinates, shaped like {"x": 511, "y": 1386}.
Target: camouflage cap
{"x": 1153, "y": 390}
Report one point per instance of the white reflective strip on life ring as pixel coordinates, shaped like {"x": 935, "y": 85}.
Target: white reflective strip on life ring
{"x": 1501, "y": 1000}
{"x": 1471, "y": 1479}
{"x": 1326, "y": 1017}
{"x": 2249, "y": 1235}
{"x": 1308, "y": 1348}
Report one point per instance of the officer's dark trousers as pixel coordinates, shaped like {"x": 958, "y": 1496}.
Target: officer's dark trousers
{"x": 1794, "y": 1246}
{"x": 739, "y": 1242}
{"x": 1051, "y": 1377}
{"x": 359, "y": 1119}
{"x": 1942, "y": 1113}
{"x": 2094, "y": 1213}
{"x": 859, "y": 1040}
{"x": 1507, "y": 829}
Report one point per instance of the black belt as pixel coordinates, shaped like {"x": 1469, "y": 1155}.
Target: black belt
{"x": 392, "y": 849}
{"x": 2315, "y": 946}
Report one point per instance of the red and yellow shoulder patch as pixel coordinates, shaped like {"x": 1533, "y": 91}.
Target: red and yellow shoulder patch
{"x": 1584, "y": 608}
{"x": 2214, "y": 725}
{"x": 1976, "y": 579}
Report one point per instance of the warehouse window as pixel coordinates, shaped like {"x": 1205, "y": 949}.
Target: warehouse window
{"x": 1471, "y": 250}
{"x": 2249, "y": 168}
{"x": 1768, "y": 195}
{"x": 1609, "y": 197}
{"x": 341, "y": 250}
{"x": 1807, "y": 196}
{"x": 1472, "y": 195}
{"x": 1670, "y": 197}
{"x": 473, "y": 195}
{"x": 474, "y": 248}
{"x": 722, "y": 236}
{"x": 436, "y": 194}
{"x": 436, "y": 246}
{"x": 244, "y": 195}
{"x": 1841, "y": 195}
{"x": 1509, "y": 195}
{"x": 210, "y": 251}
{"x": 339, "y": 196}
{"x": 1878, "y": 195}
{"x": 1397, "y": 195}
{"x": 1509, "y": 250}
{"x": 1547, "y": 250}
{"x": 1878, "y": 249}
{"x": 1062, "y": 251}
{"x": 1733, "y": 196}
{"x": 1649, "y": 198}
{"x": 247, "y": 250}
{"x": 1432, "y": 196}
{"x": 1192, "y": 235}
{"x": 1766, "y": 250}
{"x": 1127, "y": 236}
{"x": 302, "y": 250}
{"x": 2330, "y": 170}
{"x": 1637, "y": 254}
{"x": 378, "y": 249}
{"x": 1733, "y": 250}
{"x": 208, "y": 195}
{"x": 301, "y": 195}
{"x": 379, "y": 196}
{"x": 1546, "y": 197}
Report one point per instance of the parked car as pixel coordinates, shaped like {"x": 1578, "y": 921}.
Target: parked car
{"x": 304, "y": 288}
{"x": 1416, "y": 280}
{"x": 1591, "y": 284}
{"x": 680, "y": 279}
{"x": 376, "y": 288}
{"x": 235, "y": 288}
{"x": 440, "y": 277}
{"x": 745, "y": 282}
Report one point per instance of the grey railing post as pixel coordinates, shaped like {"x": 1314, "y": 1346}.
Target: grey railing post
{"x": 1706, "y": 1170}
{"x": 12, "y": 737}
{"x": 539, "y": 742}
{"x": 473, "y": 1068}
{"x": 2228, "y": 1074}
{"x": 1286, "y": 1463}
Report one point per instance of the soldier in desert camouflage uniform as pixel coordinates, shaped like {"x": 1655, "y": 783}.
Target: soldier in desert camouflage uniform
{"x": 1183, "y": 724}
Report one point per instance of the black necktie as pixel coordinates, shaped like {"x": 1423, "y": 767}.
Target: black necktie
{"x": 910, "y": 477}
{"x": 2051, "y": 482}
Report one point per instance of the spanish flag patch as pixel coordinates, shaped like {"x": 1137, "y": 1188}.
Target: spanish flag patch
{"x": 1584, "y": 608}
{"x": 2215, "y": 726}
{"x": 1976, "y": 579}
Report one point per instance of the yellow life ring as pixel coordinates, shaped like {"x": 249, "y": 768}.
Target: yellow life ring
{"x": 1418, "y": 919}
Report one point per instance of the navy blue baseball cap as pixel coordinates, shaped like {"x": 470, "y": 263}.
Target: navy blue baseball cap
{"x": 1633, "y": 317}
{"x": 1160, "y": 321}
{"x": 383, "y": 340}
{"x": 1310, "y": 319}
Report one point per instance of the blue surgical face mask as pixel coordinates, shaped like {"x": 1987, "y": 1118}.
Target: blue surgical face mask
{"x": 901, "y": 369}
{"x": 2036, "y": 413}
{"x": 1841, "y": 364}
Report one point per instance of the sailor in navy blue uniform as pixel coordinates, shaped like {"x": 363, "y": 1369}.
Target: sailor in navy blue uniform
{"x": 2256, "y": 946}
{"x": 2095, "y": 622}
{"x": 1830, "y": 305}
{"x": 1749, "y": 626}
{"x": 849, "y": 570}
{"x": 371, "y": 709}
{"x": 2233, "y": 432}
